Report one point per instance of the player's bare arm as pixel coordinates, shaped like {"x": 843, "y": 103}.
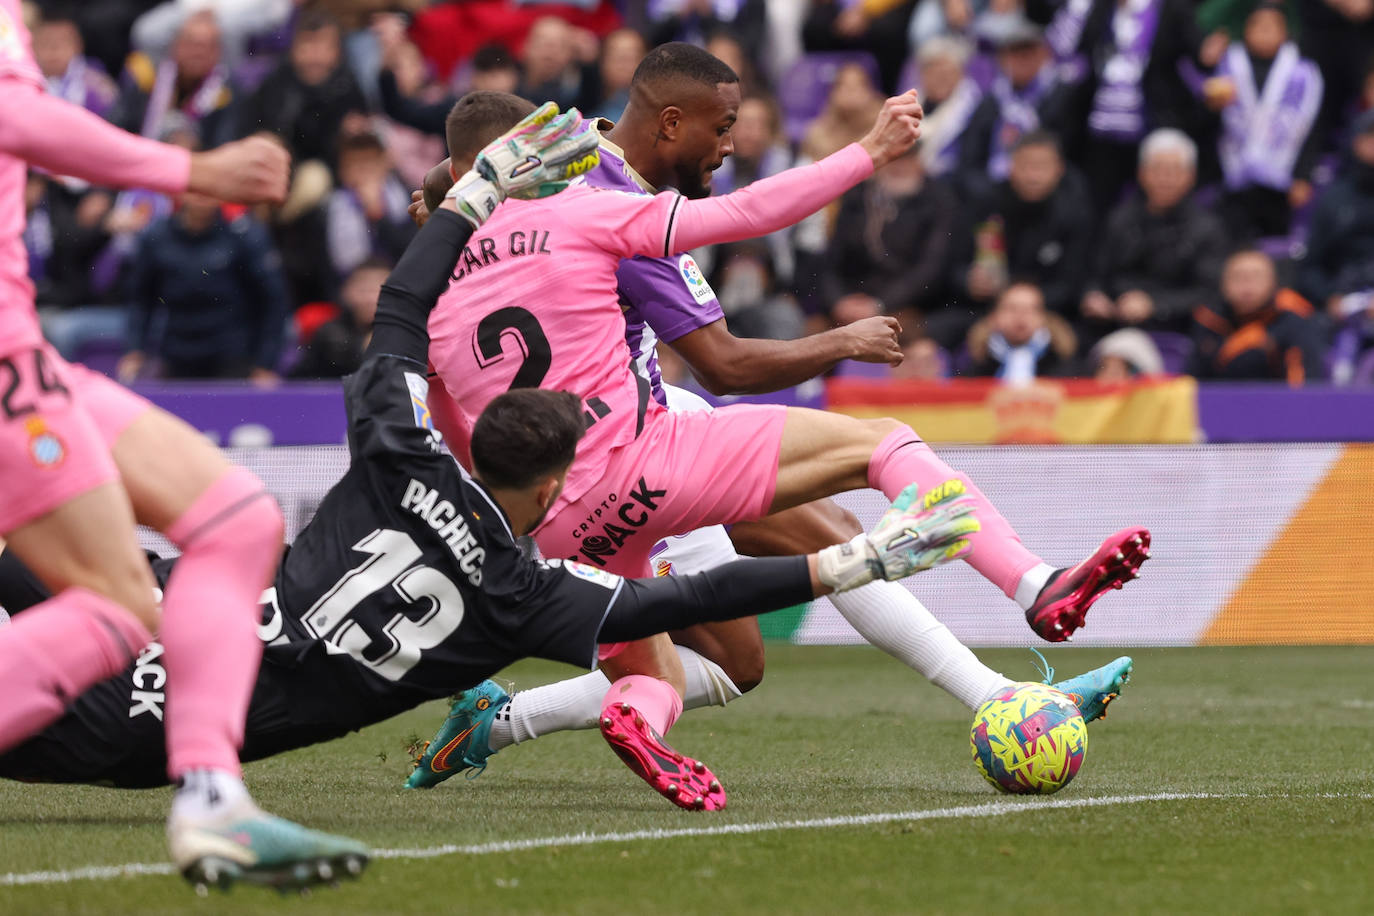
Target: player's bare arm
{"x": 726, "y": 364}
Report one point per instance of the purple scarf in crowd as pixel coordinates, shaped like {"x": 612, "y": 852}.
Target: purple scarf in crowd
{"x": 84, "y": 83}
{"x": 942, "y": 129}
{"x": 1263, "y": 130}
{"x": 1017, "y": 115}
{"x": 1118, "y": 110}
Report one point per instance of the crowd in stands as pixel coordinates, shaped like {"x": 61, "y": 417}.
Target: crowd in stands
{"x": 1106, "y": 188}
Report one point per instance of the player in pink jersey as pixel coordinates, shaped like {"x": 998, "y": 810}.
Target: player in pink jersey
{"x": 645, "y": 473}
{"x": 82, "y": 457}
{"x": 665, "y": 297}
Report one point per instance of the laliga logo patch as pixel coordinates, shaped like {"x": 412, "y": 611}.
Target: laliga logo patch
{"x": 45, "y": 446}
{"x": 696, "y": 283}
{"x": 419, "y": 400}
{"x": 530, "y": 164}
{"x": 592, "y": 574}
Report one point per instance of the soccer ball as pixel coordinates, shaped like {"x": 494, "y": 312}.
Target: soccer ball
{"x": 1029, "y": 739}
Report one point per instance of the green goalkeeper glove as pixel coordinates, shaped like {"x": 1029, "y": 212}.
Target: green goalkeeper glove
{"x": 536, "y": 158}
{"x": 912, "y": 536}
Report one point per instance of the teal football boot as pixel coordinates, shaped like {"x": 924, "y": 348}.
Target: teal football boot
{"x": 461, "y": 742}
{"x": 247, "y": 844}
{"x": 1094, "y": 690}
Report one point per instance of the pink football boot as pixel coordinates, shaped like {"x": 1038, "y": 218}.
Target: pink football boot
{"x": 1063, "y": 603}
{"x": 685, "y": 782}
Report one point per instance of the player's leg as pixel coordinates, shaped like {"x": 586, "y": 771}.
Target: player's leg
{"x": 823, "y": 453}
{"x": 885, "y": 614}
{"x": 484, "y": 720}
{"x": 101, "y": 613}
{"x": 230, "y": 532}
{"x": 65, "y": 515}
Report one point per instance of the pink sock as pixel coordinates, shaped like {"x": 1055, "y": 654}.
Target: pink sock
{"x": 54, "y": 651}
{"x": 998, "y": 553}
{"x": 230, "y": 540}
{"x": 655, "y": 700}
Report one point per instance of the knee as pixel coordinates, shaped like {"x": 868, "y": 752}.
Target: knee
{"x": 134, "y": 589}
{"x": 879, "y": 429}
{"x": 746, "y": 670}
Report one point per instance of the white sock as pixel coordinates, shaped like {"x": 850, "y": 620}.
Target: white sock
{"x": 576, "y": 702}
{"x": 1028, "y": 589}
{"x": 205, "y": 794}
{"x": 707, "y": 682}
{"x": 890, "y": 617}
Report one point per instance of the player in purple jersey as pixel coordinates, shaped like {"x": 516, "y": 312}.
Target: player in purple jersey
{"x": 667, "y": 296}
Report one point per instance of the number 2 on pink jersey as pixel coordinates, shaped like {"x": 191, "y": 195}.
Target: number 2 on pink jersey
{"x": 521, "y": 326}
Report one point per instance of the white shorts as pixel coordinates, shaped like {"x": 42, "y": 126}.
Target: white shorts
{"x": 704, "y": 548}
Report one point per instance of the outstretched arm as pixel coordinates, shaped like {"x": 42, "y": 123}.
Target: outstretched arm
{"x": 727, "y": 364}
{"x": 788, "y": 197}
{"x": 69, "y": 140}
{"x": 915, "y": 534}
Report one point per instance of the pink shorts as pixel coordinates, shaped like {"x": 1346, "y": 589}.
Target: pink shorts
{"x": 51, "y": 450}
{"x": 111, "y": 406}
{"x": 684, "y": 471}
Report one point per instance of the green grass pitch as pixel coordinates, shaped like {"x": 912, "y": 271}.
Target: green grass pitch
{"x": 1257, "y": 768}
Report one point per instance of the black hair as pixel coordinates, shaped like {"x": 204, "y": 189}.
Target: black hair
{"x": 1038, "y": 138}
{"x": 678, "y": 60}
{"x": 315, "y": 20}
{"x": 525, "y": 435}
{"x": 492, "y": 57}
{"x": 479, "y": 118}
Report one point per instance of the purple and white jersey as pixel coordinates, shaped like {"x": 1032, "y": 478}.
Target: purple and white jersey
{"x": 663, "y": 298}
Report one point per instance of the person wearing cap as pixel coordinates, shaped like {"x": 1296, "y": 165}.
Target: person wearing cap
{"x": 1338, "y": 272}
{"x": 1269, "y": 97}
{"x": 1124, "y": 355}
{"x": 1161, "y": 254}
{"x": 1025, "y": 96}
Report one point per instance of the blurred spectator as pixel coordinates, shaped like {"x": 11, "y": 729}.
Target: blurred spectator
{"x": 1269, "y": 98}
{"x": 214, "y": 288}
{"x": 621, "y": 52}
{"x": 1339, "y": 36}
{"x": 1258, "y": 331}
{"x": 759, "y": 153}
{"x": 1161, "y": 254}
{"x": 366, "y": 214}
{"x": 1125, "y": 355}
{"x": 1037, "y": 225}
{"x": 69, "y": 74}
{"x": 1025, "y": 96}
{"x": 336, "y": 348}
{"x": 922, "y": 358}
{"x": 414, "y": 149}
{"x": 949, "y": 97}
{"x": 697, "y": 21}
{"x": 1338, "y": 272}
{"x": 728, "y": 49}
{"x": 1020, "y": 341}
{"x": 876, "y": 26}
{"x": 551, "y": 69}
{"x": 891, "y": 256}
{"x": 241, "y": 21}
{"x": 848, "y": 114}
{"x": 191, "y": 79}
{"x": 747, "y": 288}
{"x": 493, "y": 69}
{"x": 306, "y": 98}
{"x": 132, "y": 212}
{"x": 1136, "y": 52}
{"x": 63, "y": 234}
{"x": 105, "y": 26}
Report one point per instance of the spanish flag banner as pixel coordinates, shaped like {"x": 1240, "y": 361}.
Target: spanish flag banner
{"x": 1078, "y": 411}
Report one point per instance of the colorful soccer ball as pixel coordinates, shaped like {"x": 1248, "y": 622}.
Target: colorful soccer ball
{"x": 1029, "y": 739}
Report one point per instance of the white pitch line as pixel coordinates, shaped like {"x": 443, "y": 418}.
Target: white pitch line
{"x": 994, "y": 809}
